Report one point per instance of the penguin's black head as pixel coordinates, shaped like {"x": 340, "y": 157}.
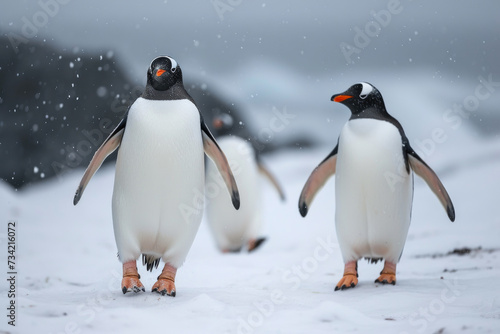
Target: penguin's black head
{"x": 163, "y": 73}
{"x": 359, "y": 97}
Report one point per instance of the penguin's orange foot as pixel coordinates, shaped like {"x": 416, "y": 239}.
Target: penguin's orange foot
{"x": 386, "y": 278}
{"x": 164, "y": 287}
{"x": 346, "y": 282}
{"x": 255, "y": 243}
{"x": 130, "y": 284}
{"x": 227, "y": 250}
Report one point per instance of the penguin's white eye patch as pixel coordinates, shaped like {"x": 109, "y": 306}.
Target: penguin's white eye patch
{"x": 174, "y": 64}
{"x": 366, "y": 90}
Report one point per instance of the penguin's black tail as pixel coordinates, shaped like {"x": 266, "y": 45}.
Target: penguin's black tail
{"x": 150, "y": 261}
{"x": 371, "y": 259}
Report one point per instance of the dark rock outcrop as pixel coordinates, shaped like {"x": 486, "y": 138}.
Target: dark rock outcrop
{"x": 57, "y": 106}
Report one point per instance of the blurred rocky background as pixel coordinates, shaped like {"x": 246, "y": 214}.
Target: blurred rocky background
{"x": 69, "y": 70}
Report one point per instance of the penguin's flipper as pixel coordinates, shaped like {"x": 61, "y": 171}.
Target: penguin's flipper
{"x": 214, "y": 152}
{"x": 109, "y": 146}
{"x": 317, "y": 180}
{"x": 267, "y": 173}
{"x": 432, "y": 180}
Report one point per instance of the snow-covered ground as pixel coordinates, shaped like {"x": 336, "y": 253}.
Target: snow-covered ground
{"x": 69, "y": 276}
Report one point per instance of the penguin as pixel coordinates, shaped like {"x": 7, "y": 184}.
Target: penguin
{"x": 373, "y": 163}
{"x": 158, "y": 195}
{"x": 216, "y": 105}
{"x": 236, "y": 230}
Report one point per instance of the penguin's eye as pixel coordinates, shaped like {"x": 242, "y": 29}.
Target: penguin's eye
{"x": 363, "y": 96}
{"x": 173, "y": 69}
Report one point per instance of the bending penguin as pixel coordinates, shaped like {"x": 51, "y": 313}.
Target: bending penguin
{"x": 231, "y": 229}
{"x": 159, "y": 175}
{"x": 373, "y": 163}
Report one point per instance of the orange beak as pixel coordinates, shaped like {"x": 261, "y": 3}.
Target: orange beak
{"x": 218, "y": 123}
{"x": 160, "y": 72}
{"x": 340, "y": 98}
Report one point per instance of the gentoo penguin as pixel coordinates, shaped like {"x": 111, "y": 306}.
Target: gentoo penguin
{"x": 372, "y": 161}
{"x": 158, "y": 196}
{"x": 231, "y": 229}
{"x": 215, "y": 104}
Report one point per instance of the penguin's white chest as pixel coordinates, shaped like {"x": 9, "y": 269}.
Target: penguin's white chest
{"x": 231, "y": 228}
{"x": 158, "y": 191}
{"x": 373, "y": 191}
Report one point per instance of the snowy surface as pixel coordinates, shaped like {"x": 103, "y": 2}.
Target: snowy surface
{"x": 69, "y": 276}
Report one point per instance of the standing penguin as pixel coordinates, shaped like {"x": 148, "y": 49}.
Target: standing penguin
{"x": 373, "y": 185}
{"x": 159, "y": 180}
{"x": 232, "y": 230}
